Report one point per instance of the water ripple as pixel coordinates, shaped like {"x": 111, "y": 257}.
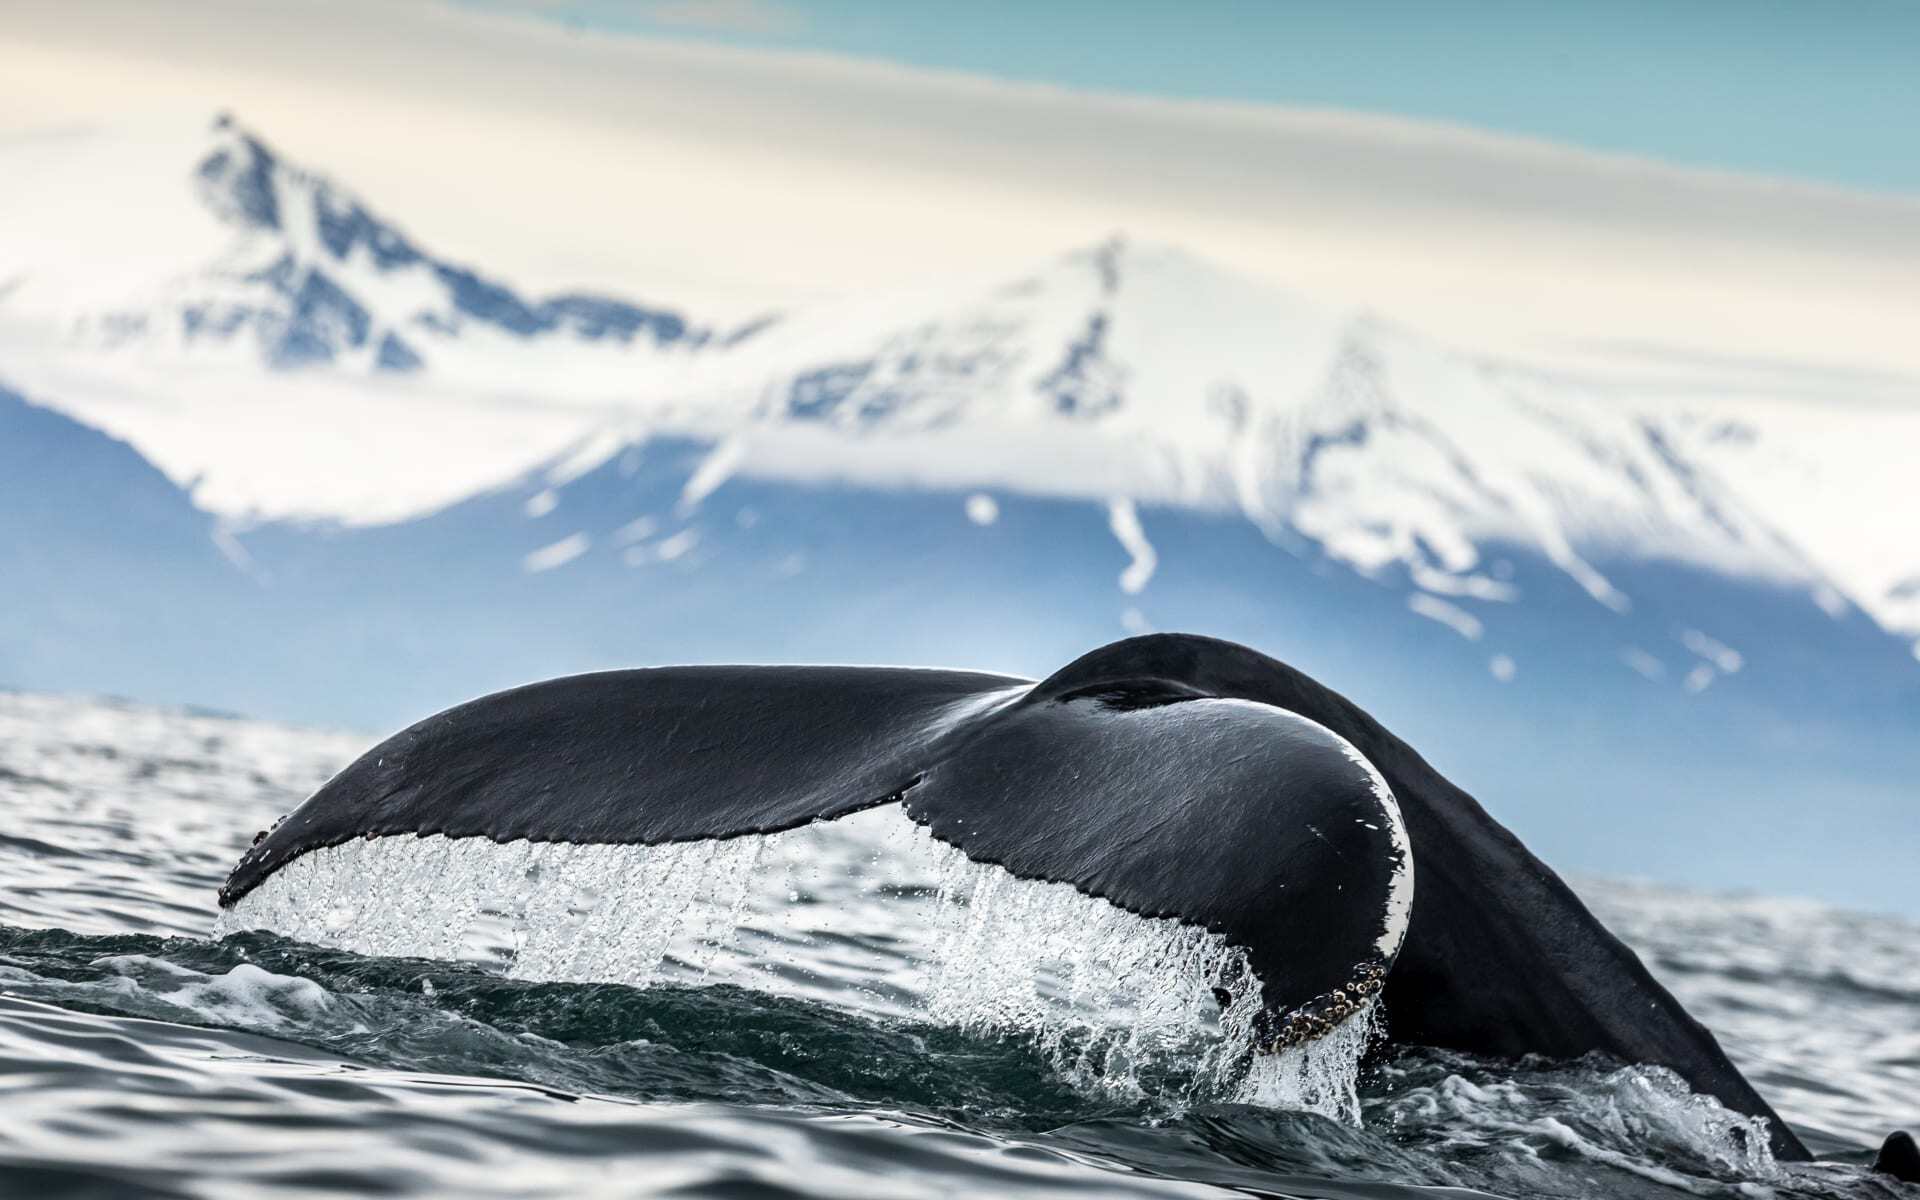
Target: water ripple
{"x": 140, "y": 1058}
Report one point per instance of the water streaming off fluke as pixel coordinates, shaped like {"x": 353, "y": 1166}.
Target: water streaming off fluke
{"x": 869, "y": 907}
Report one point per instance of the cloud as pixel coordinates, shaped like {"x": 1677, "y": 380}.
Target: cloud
{"x": 724, "y": 16}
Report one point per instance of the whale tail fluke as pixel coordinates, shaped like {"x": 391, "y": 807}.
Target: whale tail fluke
{"x": 1171, "y": 775}
{"x": 1250, "y": 821}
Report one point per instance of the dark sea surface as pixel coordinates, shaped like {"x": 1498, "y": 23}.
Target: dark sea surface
{"x": 806, "y": 1054}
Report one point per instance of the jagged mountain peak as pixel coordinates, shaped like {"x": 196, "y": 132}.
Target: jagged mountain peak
{"x": 1118, "y": 337}
{"x": 354, "y": 284}
{"x": 246, "y": 183}
{"x": 300, "y": 271}
{"x": 238, "y": 177}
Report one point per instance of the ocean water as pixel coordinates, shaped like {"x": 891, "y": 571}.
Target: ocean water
{"x": 848, "y": 1012}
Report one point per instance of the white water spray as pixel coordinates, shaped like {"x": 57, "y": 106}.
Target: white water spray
{"x": 870, "y": 905}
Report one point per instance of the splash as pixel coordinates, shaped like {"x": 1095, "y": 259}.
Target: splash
{"x": 1641, "y": 1120}
{"x": 244, "y": 996}
{"x": 870, "y": 905}
{"x": 1321, "y": 1076}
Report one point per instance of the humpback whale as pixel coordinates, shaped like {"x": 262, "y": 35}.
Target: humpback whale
{"x": 1172, "y": 776}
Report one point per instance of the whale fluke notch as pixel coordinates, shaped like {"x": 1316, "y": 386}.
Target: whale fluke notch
{"x": 1170, "y": 775}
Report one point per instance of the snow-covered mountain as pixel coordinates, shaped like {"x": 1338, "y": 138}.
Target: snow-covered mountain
{"x": 1120, "y": 372}
{"x": 1137, "y": 376}
{"x": 277, "y": 264}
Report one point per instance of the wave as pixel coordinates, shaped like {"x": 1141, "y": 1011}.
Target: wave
{"x": 1428, "y": 1120}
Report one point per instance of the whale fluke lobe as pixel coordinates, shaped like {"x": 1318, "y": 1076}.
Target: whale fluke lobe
{"x": 650, "y": 756}
{"x": 1250, "y": 821}
{"x": 1169, "y": 776}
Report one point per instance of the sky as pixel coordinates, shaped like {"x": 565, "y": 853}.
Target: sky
{"x": 1535, "y": 179}
{"x": 1826, "y": 91}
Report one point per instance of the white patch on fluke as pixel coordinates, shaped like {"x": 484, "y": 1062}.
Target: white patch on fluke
{"x": 1105, "y": 994}
{"x": 1399, "y": 912}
